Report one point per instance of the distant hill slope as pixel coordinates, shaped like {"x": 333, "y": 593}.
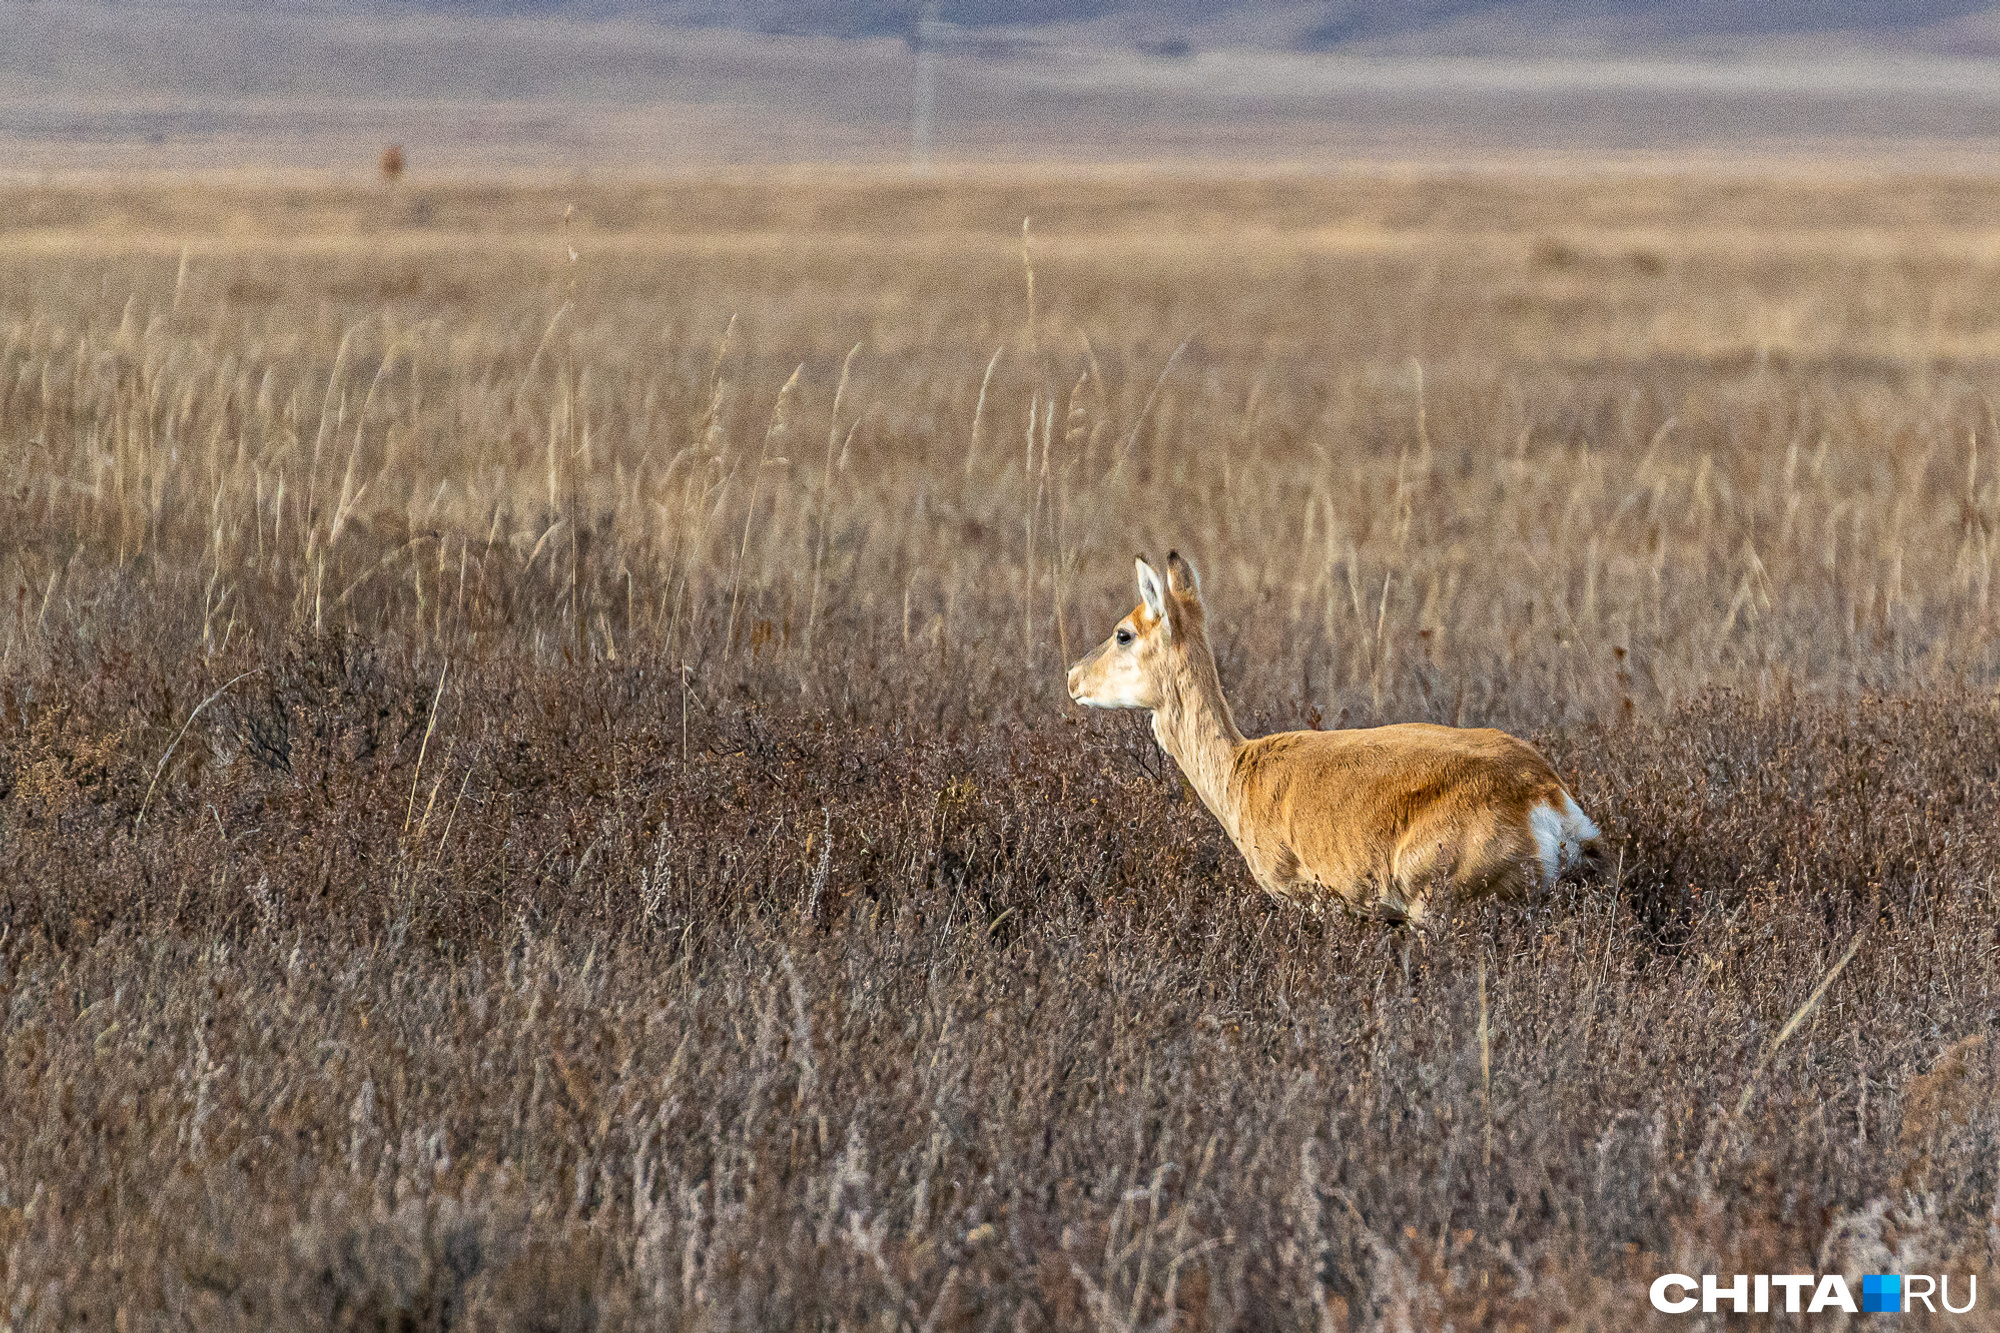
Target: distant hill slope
{"x": 665, "y": 85}
{"x": 1409, "y": 25}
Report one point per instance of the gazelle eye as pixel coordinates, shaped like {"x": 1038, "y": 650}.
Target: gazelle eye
{"x": 1124, "y": 637}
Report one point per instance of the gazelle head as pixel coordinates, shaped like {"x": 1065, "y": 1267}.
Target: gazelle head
{"x": 1136, "y": 666}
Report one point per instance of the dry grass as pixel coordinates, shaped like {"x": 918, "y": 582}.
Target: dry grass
{"x": 535, "y": 791}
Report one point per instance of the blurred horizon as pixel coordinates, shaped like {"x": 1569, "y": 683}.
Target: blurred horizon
{"x": 474, "y": 87}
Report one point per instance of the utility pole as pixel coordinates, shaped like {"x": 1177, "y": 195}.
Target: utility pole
{"x": 923, "y": 102}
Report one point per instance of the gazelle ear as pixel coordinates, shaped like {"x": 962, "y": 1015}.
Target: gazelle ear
{"x": 1152, "y": 589}
{"x": 1181, "y": 578}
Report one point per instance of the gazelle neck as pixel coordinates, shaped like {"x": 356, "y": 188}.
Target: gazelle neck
{"x": 1194, "y": 725}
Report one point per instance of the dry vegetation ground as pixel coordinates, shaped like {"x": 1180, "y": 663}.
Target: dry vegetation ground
{"x": 520, "y": 808}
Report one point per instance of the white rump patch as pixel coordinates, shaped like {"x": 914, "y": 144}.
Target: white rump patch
{"x": 1546, "y": 826}
{"x": 1559, "y": 836}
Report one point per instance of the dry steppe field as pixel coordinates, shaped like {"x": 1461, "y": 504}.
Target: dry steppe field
{"x": 536, "y": 789}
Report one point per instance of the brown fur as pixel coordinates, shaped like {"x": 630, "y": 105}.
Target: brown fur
{"x": 1378, "y": 820}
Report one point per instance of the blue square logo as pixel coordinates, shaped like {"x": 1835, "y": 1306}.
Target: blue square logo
{"x": 1881, "y": 1293}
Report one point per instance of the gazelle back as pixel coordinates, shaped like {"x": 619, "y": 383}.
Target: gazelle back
{"x": 1380, "y": 820}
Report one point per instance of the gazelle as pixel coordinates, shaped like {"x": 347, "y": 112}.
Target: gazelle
{"x": 1379, "y": 820}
